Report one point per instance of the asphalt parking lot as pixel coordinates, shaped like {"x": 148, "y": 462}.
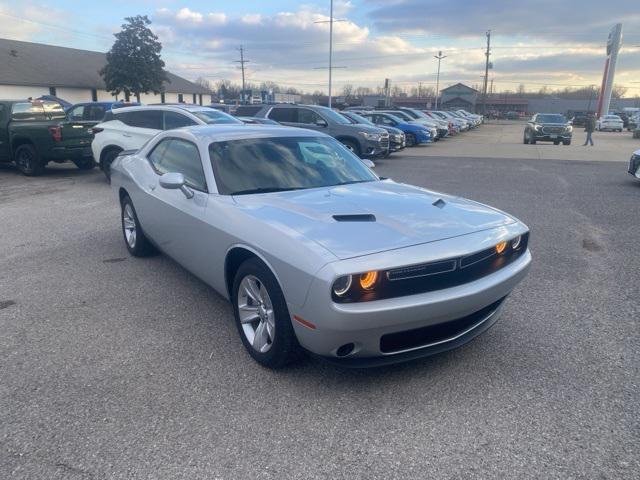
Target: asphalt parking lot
{"x": 115, "y": 367}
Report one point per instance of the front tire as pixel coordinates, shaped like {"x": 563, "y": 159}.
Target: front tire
{"x": 28, "y": 161}
{"x": 107, "y": 160}
{"x": 262, "y": 316}
{"x": 136, "y": 241}
{"x": 525, "y": 140}
{"x": 410, "y": 140}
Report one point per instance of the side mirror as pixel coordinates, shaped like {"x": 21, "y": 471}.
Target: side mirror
{"x": 175, "y": 181}
{"x": 368, "y": 163}
{"x": 321, "y": 122}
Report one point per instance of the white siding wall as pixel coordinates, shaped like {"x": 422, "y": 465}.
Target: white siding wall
{"x": 77, "y": 95}
{"x": 15, "y": 92}
{"x": 74, "y": 95}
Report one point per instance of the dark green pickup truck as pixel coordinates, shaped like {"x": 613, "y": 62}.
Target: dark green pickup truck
{"x": 35, "y": 132}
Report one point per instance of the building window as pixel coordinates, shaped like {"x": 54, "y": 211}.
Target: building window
{"x": 52, "y": 91}
{"x": 94, "y": 95}
{"x": 162, "y": 100}
{"x": 180, "y": 98}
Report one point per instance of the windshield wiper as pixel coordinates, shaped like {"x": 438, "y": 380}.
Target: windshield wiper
{"x": 352, "y": 182}
{"x": 265, "y": 190}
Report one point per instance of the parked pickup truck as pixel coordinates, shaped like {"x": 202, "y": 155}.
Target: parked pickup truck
{"x": 35, "y": 132}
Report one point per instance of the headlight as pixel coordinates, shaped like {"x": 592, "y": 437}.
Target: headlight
{"x": 569, "y": 129}
{"x": 538, "y": 127}
{"x": 515, "y": 243}
{"x": 371, "y": 136}
{"x": 368, "y": 280}
{"x": 342, "y": 285}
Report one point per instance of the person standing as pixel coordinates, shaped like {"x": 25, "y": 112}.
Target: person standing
{"x": 589, "y": 127}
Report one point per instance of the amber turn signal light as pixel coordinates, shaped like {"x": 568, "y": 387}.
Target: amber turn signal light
{"x": 501, "y": 247}
{"x": 368, "y": 280}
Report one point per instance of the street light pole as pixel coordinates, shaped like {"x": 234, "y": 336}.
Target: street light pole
{"x": 330, "y": 49}
{"x": 439, "y": 57}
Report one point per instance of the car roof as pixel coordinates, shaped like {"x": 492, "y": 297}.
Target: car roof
{"x": 225, "y": 132}
{"x": 172, "y": 108}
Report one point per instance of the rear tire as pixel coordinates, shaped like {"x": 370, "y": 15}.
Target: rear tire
{"x": 136, "y": 241}
{"x": 28, "y": 161}
{"x": 86, "y": 163}
{"x": 264, "y": 325}
{"x": 107, "y": 159}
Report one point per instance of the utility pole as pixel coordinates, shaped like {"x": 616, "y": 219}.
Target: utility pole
{"x": 242, "y": 61}
{"x": 439, "y": 57}
{"x": 331, "y": 67}
{"x": 486, "y": 73}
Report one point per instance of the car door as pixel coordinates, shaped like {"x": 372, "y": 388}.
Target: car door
{"x": 284, "y": 115}
{"x": 175, "y": 222}
{"x": 141, "y": 125}
{"x": 311, "y": 120}
{"x": 5, "y": 152}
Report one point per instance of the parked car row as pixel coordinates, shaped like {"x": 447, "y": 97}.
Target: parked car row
{"x": 35, "y": 132}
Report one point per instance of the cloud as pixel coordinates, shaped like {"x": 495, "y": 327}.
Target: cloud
{"x": 22, "y": 21}
{"x": 569, "y": 20}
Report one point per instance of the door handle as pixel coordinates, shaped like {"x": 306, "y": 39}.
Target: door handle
{"x": 126, "y": 135}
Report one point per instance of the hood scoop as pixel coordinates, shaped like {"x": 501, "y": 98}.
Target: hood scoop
{"x": 365, "y": 217}
{"x": 440, "y": 203}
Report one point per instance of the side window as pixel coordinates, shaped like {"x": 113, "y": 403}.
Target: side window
{"x": 386, "y": 121}
{"x": 27, "y": 111}
{"x": 142, "y": 119}
{"x": 94, "y": 113}
{"x": 181, "y": 156}
{"x": 176, "y": 120}
{"x": 286, "y": 114}
{"x": 75, "y": 113}
{"x": 308, "y": 116}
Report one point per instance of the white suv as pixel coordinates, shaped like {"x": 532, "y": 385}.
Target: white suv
{"x": 129, "y": 128}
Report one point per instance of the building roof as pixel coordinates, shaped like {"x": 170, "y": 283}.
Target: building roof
{"x": 460, "y": 86}
{"x": 26, "y": 63}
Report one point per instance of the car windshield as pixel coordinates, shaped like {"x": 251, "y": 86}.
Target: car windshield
{"x": 333, "y": 116}
{"x": 358, "y": 119}
{"x": 400, "y": 116}
{"x": 613, "y": 117}
{"x": 551, "y": 118}
{"x": 214, "y": 116}
{"x": 262, "y": 165}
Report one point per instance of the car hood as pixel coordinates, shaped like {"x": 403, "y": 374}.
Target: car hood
{"x": 365, "y": 218}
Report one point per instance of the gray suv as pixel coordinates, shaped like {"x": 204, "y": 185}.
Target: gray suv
{"x": 364, "y": 140}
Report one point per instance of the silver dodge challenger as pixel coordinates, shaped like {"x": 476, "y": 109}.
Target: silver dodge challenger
{"x": 314, "y": 250}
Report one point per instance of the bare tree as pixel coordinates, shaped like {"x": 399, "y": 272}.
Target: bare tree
{"x": 618, "y": 91}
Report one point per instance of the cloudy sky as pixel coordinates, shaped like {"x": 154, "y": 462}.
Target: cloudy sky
{"x": 534, "y": 43}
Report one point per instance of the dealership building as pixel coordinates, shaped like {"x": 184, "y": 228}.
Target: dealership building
{"x": 34, "y": 69}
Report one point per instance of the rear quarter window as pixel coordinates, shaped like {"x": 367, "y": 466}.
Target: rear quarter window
{"x": 27, "y": 111}
{"x": 141, "y": 118}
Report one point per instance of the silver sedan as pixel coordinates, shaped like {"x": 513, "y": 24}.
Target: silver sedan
{"x": 314, "y": 251}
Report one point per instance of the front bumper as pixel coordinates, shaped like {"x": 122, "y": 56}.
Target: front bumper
{"x": 364, "y": 324}
{"x": 374, "y": 148}
{"x": 634, "y": 166}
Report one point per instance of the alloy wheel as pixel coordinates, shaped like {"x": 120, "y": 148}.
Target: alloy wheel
{"x": 257, "y": 316}
{"x": 129, "y": 225}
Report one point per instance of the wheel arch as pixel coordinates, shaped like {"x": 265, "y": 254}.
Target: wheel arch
{"x": 107, "y": 149}
{"x": 19, "y": 141}
{"x": 236, "y": 255}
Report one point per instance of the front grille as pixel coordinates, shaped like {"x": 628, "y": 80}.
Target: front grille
{"x": 432, "y": 276}
{"x": 384, "y": 141}
{"x": 439, "y": 333}
{"x": 547, "y": 130}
